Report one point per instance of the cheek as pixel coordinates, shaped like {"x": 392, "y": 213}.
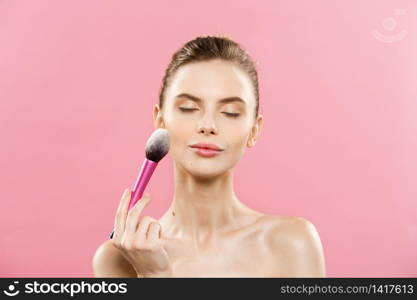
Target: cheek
{"x": 236, "y": 145}
{"x": 237, "y": 135}
{"x": 239, "y": 143}
{"x": 180, "y": 125}
{"x": 179, "y": 138}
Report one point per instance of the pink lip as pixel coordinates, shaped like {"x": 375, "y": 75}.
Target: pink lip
{"x": 206, "y": 146}
{"x": 205, "y": 152}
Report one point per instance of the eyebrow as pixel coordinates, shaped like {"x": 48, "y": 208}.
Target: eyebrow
{"x": 198, "y": 100}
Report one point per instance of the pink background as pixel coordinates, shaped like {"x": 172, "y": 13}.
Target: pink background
{"x": 78, "y": 80}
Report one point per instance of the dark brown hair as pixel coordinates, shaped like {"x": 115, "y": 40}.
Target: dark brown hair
{"x": 205, "y": 48}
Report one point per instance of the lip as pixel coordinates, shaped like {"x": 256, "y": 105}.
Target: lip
{"x": 206, "y": 150}
{"x": 206, "y": 146}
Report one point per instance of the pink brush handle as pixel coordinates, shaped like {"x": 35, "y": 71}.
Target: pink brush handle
{"x": 142, "y": 180}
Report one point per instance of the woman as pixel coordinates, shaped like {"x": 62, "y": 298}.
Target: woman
{"x": 209, "y": 98}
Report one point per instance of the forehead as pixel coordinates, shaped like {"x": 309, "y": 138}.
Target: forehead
{"x": 211, "y": 80}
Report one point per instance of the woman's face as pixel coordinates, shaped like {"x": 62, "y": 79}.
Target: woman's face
{"x": 202, "y": 105}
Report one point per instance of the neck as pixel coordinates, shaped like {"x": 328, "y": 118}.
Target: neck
{"x": 202, "y": 208}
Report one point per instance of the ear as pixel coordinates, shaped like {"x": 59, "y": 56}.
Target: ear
{"x": 256, "y": 128}
{"x": 157, "y": 117}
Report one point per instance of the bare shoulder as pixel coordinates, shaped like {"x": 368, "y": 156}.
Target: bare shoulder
{"x": 297, "y": 227}
{"x": 109, "y": 262}
{"x": 296, "y": 241}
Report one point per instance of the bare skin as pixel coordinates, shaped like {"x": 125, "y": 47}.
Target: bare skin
{"x": 271, "y": 246}
{"x": 207, "y": 231}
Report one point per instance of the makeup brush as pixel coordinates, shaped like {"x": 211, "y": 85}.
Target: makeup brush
{"x": 156, "y": 148}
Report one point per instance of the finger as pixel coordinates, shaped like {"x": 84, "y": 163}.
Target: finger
{"x": 120, "y": 220}
{"x": 142, "y": 230}
{"x": 154, "y": 231}
{"x": 133, "y": 216}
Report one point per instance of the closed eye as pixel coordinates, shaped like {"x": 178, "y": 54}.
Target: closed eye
{"x": 187, "y": 109}
{"x": 233, "y": 115}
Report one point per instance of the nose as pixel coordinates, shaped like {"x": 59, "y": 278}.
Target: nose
{"x": 207, "y": 127}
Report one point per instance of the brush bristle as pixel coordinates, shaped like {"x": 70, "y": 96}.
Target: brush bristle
{"x": 157, "y": 145}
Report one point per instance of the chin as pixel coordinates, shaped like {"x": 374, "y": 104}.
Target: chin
{"x": 204, "y": 170}
{"x": 205, "y": 176}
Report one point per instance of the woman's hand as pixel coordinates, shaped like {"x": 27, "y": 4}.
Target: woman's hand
{"x": 140, "y": 244}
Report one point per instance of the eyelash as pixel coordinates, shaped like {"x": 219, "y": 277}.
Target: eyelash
{"x": 232, "y": 115}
